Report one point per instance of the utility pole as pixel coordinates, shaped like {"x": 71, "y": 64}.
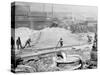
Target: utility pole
{"x": 30, "y": 18}
{"x": 52, "y": 11}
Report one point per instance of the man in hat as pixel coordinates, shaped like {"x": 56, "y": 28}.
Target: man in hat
{"x": 18, "y": 43}
{"x": 61, "y": 42}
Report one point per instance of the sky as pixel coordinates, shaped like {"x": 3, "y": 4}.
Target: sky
{"x": 75, "y": 10}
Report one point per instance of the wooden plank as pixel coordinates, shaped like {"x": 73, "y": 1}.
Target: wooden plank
{"x": 49, "y": 50}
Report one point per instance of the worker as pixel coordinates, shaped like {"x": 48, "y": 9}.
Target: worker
{"x": 18, "y": 43}
{"x": 89, "y": 39}
{"x": 28, "y": 43}
{"x": 61, "y": 42}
